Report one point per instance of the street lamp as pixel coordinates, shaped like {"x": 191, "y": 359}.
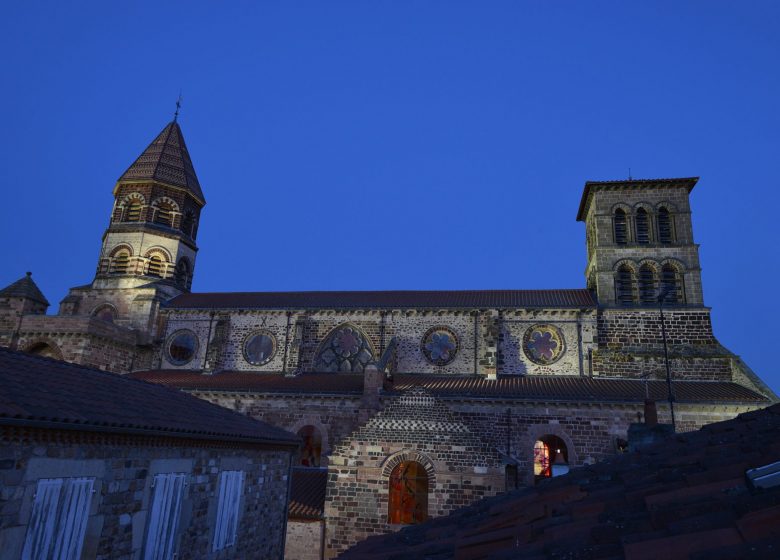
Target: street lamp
{"x": 661, "y": 297}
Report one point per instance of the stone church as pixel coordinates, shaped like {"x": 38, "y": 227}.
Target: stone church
{"x": 416, "y": 402}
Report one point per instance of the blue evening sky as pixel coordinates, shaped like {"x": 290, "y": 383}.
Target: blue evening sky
{"x": 398, "y": 145}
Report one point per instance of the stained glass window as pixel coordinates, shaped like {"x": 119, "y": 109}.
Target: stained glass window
{"x": 546, "y": 450}
{"x": 440, "y": 345}
{"x": 259, "y": 348}
{"x": 408, "y": 494}
{"x": 543, "y": 344}
{"x": 182, "y": 347}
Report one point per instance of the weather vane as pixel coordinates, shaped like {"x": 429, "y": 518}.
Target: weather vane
{"x": 178, "y": 107}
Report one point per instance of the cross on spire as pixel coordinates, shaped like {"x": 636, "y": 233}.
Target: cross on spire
{"x": 178, "y": 107}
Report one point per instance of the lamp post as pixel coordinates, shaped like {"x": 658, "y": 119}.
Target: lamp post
{"x": 661, "y": 297}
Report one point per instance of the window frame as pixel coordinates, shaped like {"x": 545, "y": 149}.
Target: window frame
{"x": 165, "y": 507}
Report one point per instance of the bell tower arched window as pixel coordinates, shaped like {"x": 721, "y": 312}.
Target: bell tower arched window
{"x": 621, "y": 227}
{"x": 156, "y": 266}
{"x": 664, "y": 226}
{"x": 133, "y": 212}
{"x": 648, "y": 290}
{"x": 624, "y": 286}
{"x": 671, "y": 281}
{"x": 642, "y": 227}
{"x": 188, "y": 223}
{"x": 120, "y": 262}
{"x": 408, "y": 495}
{"x": 164, "y": 214}
{"x": 183, "y": 273}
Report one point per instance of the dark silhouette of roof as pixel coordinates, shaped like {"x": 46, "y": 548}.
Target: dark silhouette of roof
{"x": 25, "y": 287}
{"x": 307, "y": 493}
{"x": 531, "y": 387}
{"x": 47, "y": 393}
{"x": 166, "y": 160}
{"x": 687, "y": 497}
{"x": 413, "y": 299}
{"x": 687, "y": 182}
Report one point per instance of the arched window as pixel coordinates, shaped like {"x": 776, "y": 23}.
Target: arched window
{"x": 155, "y": 266}
{"x": 648, "y": 291}
{"x": 642, "y": 227}
{"x": 183, "y": 273}
{"x": 311, "y": 450}
{"x": 105, "y": 313}
{"x": 664, "y": 226}
{"x": 624, "y": 286}
{"x": 670, "y": 279}
{"x": 120, "y": 262}
{"x": 408, "y": 494}
{"x": 621, "y": 229}
{"x": 163, "y": 214}
{"x": 133, "y": 211}
{"x": 551, "y": 457}
{"x": 188, "y": 223}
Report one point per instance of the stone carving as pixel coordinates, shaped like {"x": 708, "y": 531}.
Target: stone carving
{"x": 440, "y": 345}
{"x": 345, "y": 350}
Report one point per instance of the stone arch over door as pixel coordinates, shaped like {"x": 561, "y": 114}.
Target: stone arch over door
{"x": 536, "y": 432}
{"x": 345, "y": 349}
{"x": 409, "y": 455}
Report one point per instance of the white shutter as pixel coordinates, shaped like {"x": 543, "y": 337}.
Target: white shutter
{"x": 59, "y": 519}
{"x": 230, "y": 485}
{"x": 164, "y": 516}
{"x": 40, "y": 530}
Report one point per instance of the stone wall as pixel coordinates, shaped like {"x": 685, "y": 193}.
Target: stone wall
{"x": 299, "y": 337}
{"x": 124, "y": 468}
{"x": 304, "y": 540}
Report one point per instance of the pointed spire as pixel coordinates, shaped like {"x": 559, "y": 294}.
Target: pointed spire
{"x": 166, "y": 160}
{"x": 25, "y": 288}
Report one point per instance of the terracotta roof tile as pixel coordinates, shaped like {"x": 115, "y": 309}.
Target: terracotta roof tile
{"x": 36, "y": 391}
{"x": 307, "y": 493}
{"x": 648, "y": 504}
{"x": 582, "y": 389}
{"x": 443, "y": 299}
{"x": 166, "y": 160}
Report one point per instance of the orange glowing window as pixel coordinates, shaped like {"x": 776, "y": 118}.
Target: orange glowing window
{"x": 311, "y": 449}
{"x": 408, "y": 494}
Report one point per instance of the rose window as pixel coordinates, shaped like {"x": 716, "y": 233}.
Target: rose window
{"x": 543, "y": 344}
{"x": 440, "y": 345}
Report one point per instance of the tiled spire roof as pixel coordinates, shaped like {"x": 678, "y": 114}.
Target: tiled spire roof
{"x": 166, "y": 160}
{"x": 25, "y": 288}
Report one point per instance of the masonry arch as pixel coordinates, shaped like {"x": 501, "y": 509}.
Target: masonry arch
{"x": 105, "y": 312}
{"x": 309, "y": 421}
{"x": 536, "y": 433}
{"x": 44, "y": 347}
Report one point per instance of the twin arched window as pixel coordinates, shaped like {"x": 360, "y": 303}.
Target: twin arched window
{"x": 643, "y": 232}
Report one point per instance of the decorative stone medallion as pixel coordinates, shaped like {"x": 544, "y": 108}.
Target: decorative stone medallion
{"x": 345, "y": 350}
{"x": 259, "y": 348}
{"x": 439, "y": 345}
{"x": 543, "y": 344}
{"x": 182, "y": 347}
